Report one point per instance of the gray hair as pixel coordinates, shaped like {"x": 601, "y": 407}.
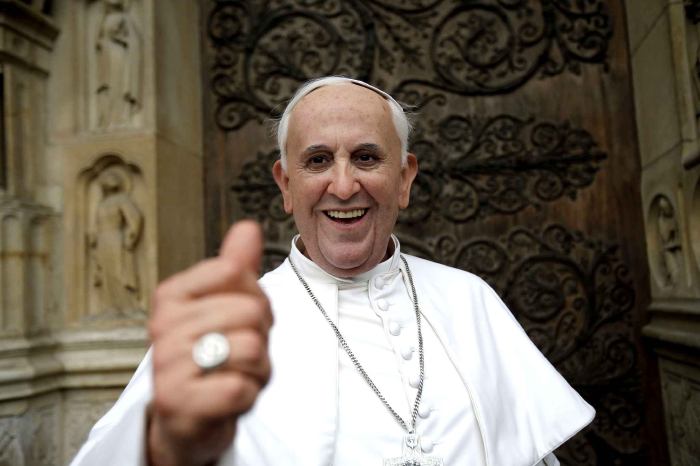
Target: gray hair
{"x": 401, "y": 122}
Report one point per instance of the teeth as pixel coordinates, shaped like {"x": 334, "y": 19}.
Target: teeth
{"x": 346, "y": 213}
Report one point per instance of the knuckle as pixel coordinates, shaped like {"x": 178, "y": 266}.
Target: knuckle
{"x": 159, "y": 361}
{"x": 262, "y": 312}
{"x": 161, "y": 401}
{"x": 161, "y": 294}
{"x": 235, "y": 390}
{"x": 257, "y": 348}
{"x": 229, "y": 270}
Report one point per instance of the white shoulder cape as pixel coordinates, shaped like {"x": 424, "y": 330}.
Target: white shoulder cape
{"x": 523, "y": 407}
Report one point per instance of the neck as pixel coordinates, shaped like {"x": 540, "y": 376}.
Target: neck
{"x": 348, "y": 273}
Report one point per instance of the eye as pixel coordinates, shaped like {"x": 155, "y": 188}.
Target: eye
{"x": 366, "y": 158}
{"x": 317, "y": 161}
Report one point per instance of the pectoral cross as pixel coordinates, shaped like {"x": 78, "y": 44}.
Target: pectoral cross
{"x": 412, "y": 454}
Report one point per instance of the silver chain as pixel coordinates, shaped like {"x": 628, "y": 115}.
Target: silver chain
{"x": 354, "y": 359}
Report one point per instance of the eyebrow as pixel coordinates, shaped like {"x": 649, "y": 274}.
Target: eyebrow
{"x": 315, "y": 148}
{"x": 368, "y": 146}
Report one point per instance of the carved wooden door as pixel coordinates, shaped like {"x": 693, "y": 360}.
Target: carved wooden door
{"x": 529, "y": 174}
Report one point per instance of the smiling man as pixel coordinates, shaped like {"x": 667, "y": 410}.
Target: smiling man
{"x": 378, "y": 358}
{"x": 345, "y": 176}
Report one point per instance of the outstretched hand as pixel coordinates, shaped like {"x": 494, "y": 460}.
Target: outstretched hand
{"x": 192, "y": 418}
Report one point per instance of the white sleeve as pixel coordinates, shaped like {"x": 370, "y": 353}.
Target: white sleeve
{"x": 119, "y": 438}
{"x": 549, "y": 460}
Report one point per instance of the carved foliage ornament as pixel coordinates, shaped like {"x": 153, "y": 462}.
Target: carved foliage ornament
{"x": 264, "y": 50}
{"x": 574, "y": 297}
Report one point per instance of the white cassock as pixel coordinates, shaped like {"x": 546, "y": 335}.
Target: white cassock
{"x": 490, "y": 397}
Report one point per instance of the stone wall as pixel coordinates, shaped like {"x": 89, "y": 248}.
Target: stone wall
{"x": 100, "y": 198}
{"x": 664, "y": 38}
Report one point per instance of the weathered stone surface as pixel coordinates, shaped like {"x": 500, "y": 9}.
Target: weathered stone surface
{"x": 666, "y": 67}
{"x": 681, "y": 388}
{"x": 102, "y": 161}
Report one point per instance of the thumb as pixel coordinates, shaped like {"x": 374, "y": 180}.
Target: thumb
{"x": 244, "y": 244}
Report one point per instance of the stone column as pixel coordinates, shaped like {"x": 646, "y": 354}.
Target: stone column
{"x": 100, "y": 198}
{"x": 30, "y": 411}
{"x": 126, "y": 127}
{"x": 663, "y": 35}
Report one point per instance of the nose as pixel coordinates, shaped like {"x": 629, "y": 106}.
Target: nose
{"x": 344, "y": 183}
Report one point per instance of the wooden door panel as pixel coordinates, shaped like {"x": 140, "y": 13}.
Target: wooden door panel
{"x": 529, "y": 174}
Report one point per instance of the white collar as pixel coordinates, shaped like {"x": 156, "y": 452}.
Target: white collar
{"x": 310, "y": 270}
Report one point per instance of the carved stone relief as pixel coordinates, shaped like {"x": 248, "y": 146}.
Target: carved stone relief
{"x": 665, "y": 244}
{"x": 685, "y": 30}
{"x": 116, "y": 93}
{"x": 11, "y": 453}
{"x": 31, "y": 438}
{"x": 682, "y": 403}
{"x": 113, "y": 226}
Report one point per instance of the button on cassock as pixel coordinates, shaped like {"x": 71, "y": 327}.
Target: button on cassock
{"x": 394, "y": 328}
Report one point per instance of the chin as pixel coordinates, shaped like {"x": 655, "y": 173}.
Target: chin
{"x": 352, "y": 262}
{"x": 347, "y": 262}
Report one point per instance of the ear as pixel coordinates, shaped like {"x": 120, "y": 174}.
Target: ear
{"x": 282, "y": 181}
{"x": 408, "y": 174}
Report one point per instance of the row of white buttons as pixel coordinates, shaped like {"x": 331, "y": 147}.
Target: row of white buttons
{"x": 406, "y": 353}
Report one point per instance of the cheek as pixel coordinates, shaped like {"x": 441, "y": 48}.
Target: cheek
{"x": 306, "y": 195}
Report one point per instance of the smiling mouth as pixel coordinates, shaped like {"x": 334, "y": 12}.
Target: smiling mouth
{"x": 345, "y": 216}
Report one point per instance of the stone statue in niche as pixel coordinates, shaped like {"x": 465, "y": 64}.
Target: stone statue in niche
{"x": 118, "y": 65}
{"x": 669, "y": 241}
{"x": 113, "y": 236}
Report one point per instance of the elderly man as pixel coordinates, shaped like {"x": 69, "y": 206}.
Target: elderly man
{"x": 378, "y": 358}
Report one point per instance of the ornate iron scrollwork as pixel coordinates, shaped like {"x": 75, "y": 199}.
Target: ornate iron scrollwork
{"x": 470, "y": 168}
{"x": 473, "y": 167}
{"x": 264, "y": 50}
